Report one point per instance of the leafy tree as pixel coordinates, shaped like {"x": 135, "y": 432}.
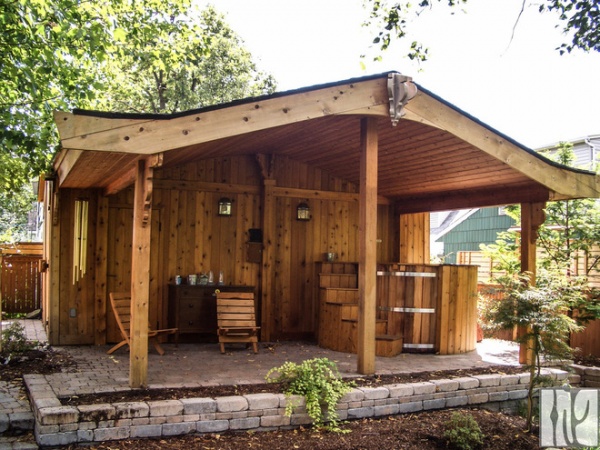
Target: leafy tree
{"x": 570, "y": 233}
{"x": 193, "y": 67}
{"x": 572, "y": 228}
{"x": 66, "y": 54}
{"x": 51, "y": 55}
{"x": 15, "y": 209}
{"x": 561, "y": 301}
{"x": 132, "y": 55}
{"x": 391, "y": 20}
{"x": 542, "y": 311}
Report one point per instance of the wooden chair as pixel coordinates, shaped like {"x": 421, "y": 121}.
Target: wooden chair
{"x": 236, "y": 320}
{"x": 121, "y": 306}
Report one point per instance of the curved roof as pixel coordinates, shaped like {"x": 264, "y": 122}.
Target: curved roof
{"x": 437, "y": 157}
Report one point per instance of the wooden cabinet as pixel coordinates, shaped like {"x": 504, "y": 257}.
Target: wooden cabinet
{"x": 193, "y": 308}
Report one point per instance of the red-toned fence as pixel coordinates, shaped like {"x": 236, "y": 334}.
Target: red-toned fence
{"x": 492, "y": 292}
{"x": 20, "y": 279}
{"x": 588, "y": 340}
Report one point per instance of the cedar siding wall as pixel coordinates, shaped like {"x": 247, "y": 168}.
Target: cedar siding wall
{"x": 189, "y": 237}
{"x": 76, "y": 307}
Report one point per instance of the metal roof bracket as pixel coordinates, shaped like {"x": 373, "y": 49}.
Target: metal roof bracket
{"x": 400, "y": 90}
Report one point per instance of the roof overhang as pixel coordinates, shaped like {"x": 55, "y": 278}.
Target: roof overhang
{"x": 437, "y": 157}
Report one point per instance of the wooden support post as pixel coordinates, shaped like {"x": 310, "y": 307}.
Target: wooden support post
{"x": 367, "y": 267}
{"x": 267, "y": 260}
{"x": 53, "y": 283}
{"x": 140, "y": 275}
{"x": 101, "y": 263}
{"x": 532, "y": 216}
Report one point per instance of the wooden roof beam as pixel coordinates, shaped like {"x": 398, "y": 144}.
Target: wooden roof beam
{"x": 564, "y": 182}
{"x": 476, "y": 199}
{"x": 153, "y": 136}
{"x": 128, "y": 178}
{"x": 65, "y": 162}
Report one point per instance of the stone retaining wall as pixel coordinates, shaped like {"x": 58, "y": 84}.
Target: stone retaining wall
{"x": 57, "y": 425}
{"x": 588, "y": 376}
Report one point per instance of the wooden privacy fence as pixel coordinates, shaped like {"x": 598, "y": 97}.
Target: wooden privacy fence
{"x": 493, "y": 293}
{"x": 586, "y": 341}
{"x": 20, "y": 279}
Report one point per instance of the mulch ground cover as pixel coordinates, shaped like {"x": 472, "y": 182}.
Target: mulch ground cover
{"x": 421, "y": 431}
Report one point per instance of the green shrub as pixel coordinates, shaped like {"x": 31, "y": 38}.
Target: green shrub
{"x": 14, "y": 341}
{"x": 318, "y": 380}
{"x": 463, "y": 432}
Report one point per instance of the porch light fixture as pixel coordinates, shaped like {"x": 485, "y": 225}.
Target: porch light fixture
{"x": 303, "y": 212}
{"x": 225, "y": 207}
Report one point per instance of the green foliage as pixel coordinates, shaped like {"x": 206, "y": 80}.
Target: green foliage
{"x": 581, "y": 19}
{"x": 462, "y": 432}
{"x": 391, "y": 20}
{"x": 201, "y": 63}
{"x": 319, "y": 382}
{"x": 570, "y": 233}
{"x": 137, "y": 56}
{"x": 541, "y": 313}
{"x": 542, "y": 309}
{"x": 14, "y": 342}
{"x": 504, "y": 253}
{"x": 15, "y": 207}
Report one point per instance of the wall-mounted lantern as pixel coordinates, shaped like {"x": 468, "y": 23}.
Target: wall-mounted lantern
{"x": 225, "y": 207}
{"x": 303, "y": 212}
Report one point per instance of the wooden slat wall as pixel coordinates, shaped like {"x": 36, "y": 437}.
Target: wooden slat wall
{"x": 218, "y": 243}
{"x": 457, "y": 301}
{"x": 189, "y": 237}
{"x": 414, "y": 238}
{"x": 76, "y": 307}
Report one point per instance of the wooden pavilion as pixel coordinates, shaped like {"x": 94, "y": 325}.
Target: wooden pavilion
{"x": 260, "y": 190}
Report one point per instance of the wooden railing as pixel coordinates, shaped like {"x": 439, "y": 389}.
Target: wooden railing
{"x": 20, "y": 279}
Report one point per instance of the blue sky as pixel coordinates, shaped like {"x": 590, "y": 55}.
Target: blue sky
{"x": 520, "y": 86}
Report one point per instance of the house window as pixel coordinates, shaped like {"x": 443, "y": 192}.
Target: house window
{"x": 502, "y": 210}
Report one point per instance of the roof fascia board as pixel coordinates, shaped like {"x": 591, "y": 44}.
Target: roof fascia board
{"x": 562, "y": 181}
{"x": 153, "y": 136}
{"x": 66, "y": 161}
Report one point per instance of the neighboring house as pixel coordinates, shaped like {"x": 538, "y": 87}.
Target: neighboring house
{"x": 586, "y": 150}
{"x": 465, "y": 230}
{"x": 475, "y": 227}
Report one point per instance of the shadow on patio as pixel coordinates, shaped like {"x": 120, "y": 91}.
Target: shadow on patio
{"x": 192, "y": 365}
